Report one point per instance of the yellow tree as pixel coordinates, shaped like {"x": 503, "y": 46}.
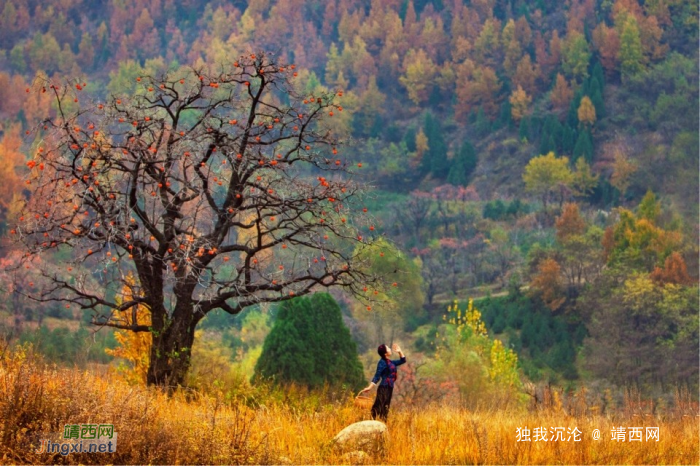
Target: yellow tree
{"x": 623, "y": 169}
{"x": 630, "y": 53}
{"x": 487, "y": 47}
{"x": 546, "y": 173}
{"x": 585, "y": 180}
{"x": 519, "y": 101}
{"x": 586, "y": 112}
{"x": 10, "y": 159}
{"x": 371, "y": 105}
{"x": 483, "y": 363}
{"x": 513, "y": 50}
{"x": 419, "y": 71}
{"x": 421, "y": 143}
{"x": 132, "y": 347}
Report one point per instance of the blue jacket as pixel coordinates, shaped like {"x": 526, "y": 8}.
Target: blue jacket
{"x": 386, "y": 370}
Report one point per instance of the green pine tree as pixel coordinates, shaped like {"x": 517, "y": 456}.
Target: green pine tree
{"x": 568, "y": 140}
{"x": 555, "y": 130}
{"x": 505, "y": 118}
{"x": 585, "y": 88}
{"x": 310, "y": 345}
{"x": 548, "y": 145}
{"x": 595, "y": 92}
{"x": 435, "y": 160}
{"x": 463, "y": 166}
{"x": 594, "y": 85}
{"x": 524, "y": 129}
{"x": 482, "y": 124}
{"x": 584, "y": 147}
{"x": 598, "y": 103}
{"x": 572, "y": 116}
{"x": 402, "y": 10}
{"x": 598, "y": 74}
{"x": 536, "y": 127}
{"x": 410, "y": 139}
{"x": 544, "y": 140}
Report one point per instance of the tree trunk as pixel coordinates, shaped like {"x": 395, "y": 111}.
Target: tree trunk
{"x": 170, "y": 352}
{"x": 430, "y": 293}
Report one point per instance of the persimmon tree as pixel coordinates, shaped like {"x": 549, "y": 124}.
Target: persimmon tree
{"x": 218, "y": 188}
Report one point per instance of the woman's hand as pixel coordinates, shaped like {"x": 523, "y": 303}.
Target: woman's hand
{"x": 396, "y": 348}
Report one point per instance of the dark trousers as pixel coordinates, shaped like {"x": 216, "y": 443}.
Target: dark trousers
{"x": 380, "y": 409}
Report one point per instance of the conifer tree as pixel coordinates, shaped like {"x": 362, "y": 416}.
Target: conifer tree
{"x": 435, "y": 160}
{"x": 598, "y": 74}
{"x": 548, "y": 145}
{"x": 524, "y": 129}
{"x": 598, "y": 103}
{"x": 568, "y": 140}
{"x": 630, "y": 54}
{"x": 504, "y": 118}
{"x": 463, "y": 166}
{"x": 584, "y": 146}
{"x": 482, "y": 124}
{"x": 310, "y": 345}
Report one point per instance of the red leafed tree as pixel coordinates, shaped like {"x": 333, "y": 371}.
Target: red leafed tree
{"x": 561, "y": 94}
{"x": 219, "y": 189}
{"x": 607, "y": 41}
{"x": 675, "y": 271}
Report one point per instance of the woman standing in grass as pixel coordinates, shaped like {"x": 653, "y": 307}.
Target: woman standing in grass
{"x": 386, "y": 370}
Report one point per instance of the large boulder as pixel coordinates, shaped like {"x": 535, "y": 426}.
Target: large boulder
{"x": 367, "y": 436}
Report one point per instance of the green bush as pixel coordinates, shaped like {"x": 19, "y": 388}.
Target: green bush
{"x": 310, "y": 345}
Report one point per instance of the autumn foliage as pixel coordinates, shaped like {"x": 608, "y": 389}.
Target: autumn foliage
{"x": 548, "y": 282}
{"x": 193, "y": 176}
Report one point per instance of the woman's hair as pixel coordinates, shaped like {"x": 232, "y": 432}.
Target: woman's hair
{"x": 381, "y": 350}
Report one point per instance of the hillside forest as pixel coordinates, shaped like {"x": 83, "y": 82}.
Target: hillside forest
{"x": 531, "y": 171}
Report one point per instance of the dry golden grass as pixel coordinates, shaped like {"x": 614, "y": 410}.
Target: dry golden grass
{"x": 192, "y": 428}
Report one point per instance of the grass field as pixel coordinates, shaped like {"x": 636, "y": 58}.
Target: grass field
{"x": 194, "y": 428}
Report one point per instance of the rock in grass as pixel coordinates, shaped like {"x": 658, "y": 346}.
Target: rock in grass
{"x": 365, "y": 436}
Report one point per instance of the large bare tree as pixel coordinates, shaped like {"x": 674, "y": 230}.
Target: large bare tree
{"x": 218, "y": 189}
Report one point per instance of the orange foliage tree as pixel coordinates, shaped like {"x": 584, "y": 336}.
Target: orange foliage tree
{"x": 11, "y": 186}
{"x": 675, "y": 271}
{"x": 561, "y": 94}
{"x": 548, "y": 283}
{"x": 133, "y": 347}
{"x": 570, "y": 222}
{"x": 476, "y": 86}
{"x": 607, "y": 41}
